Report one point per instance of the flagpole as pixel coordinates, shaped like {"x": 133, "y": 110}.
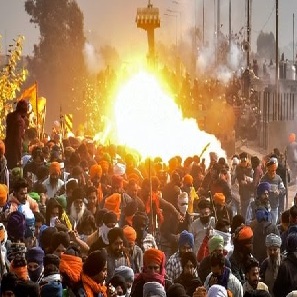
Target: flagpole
{"x": 36, "y": 106}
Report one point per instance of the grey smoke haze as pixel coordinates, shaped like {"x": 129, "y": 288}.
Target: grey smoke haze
{"x": 114, "y": 20}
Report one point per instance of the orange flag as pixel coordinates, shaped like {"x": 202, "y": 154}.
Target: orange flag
{"x": 31, "y": 94}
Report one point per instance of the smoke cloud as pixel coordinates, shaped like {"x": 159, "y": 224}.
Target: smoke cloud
{"x": 93, "y": 58}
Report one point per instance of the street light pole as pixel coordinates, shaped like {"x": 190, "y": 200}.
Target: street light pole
{"x": 276, "y": 50}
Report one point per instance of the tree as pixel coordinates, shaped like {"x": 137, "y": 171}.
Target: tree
{"x": 12, "y": 76}
{"x": 266, "y": 45}
{"x": 58, "y": 62}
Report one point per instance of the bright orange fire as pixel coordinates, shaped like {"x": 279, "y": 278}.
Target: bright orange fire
{"x": 148, "y": 120}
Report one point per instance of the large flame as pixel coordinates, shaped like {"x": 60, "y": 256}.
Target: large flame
{"x": 148, "y": 120}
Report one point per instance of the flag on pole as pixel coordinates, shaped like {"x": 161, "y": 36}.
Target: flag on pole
{"x": 31, "y": 94}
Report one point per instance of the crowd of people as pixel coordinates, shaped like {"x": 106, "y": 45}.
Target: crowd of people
{"x": 83, "y": 219}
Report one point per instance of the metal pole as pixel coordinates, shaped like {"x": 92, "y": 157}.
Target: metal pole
{"x": 293, "y": 39}
{"x": 230, "y": 31}
{"x": 276, "y": 48}
{"x": 203, "y": 23}
{"x": 248, "y": 35}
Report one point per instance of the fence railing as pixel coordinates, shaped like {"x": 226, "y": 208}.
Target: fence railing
{"x": 282, "y": 107}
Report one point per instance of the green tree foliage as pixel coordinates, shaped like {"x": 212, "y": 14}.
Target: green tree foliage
{"x": 12, "y": 76}
{"x": 58, "y": 62}
{"x": 266, "y": 45}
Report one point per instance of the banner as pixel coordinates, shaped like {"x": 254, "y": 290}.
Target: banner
{"x": 31, "y": 94}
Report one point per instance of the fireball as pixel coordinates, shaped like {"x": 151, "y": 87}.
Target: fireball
{"x": 147, "y": 119}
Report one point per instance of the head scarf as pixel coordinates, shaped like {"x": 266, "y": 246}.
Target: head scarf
{"x": 55, "y": 168}
{"x": 273, "y": 240}
{"x": 216, "y": 242}
{"x": 153, "y": 289}
{"x": 219, "y": 198}
{"x": 186, "y": 238}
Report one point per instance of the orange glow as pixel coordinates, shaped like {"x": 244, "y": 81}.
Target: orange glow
{"x": 148, "y": 120}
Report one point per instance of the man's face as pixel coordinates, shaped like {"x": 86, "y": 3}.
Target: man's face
{"x": 92, "y": 199}
{"x": 37, "y": 226}
{"x": 101, "y": 276}
{"x": 271, "y": 173}
{"x": 132, "y": 190}
{"x": 21, "y": 195}
{"x": 32, "y": 266}
{"x": 264, "y": 198}
{"x": 273, "y": 252}
{"x": 189, "y": 268}
{"x": 55, "y": 212}
{"x": 78, "y": 205}
{"x": 216, "y": 271}
{"x": 185, "y": 248}
{"x": 59, "y": 250}
{"x": 54, "y": 177}
{"x": 253, "y": 277}
{"x": 117, "y": 246}
{"x": 153, "y": 268}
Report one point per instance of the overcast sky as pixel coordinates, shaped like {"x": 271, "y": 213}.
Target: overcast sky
{"x": 113, "y": 21}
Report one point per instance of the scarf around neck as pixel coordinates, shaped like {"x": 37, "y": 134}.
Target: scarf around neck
{"x": 92, "y": 287}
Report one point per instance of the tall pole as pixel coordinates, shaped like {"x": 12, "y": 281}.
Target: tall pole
{"x": 293, "y": 39}
{"x": 230, "y": 31}
{"x": 203, "y": 23}
{"x": 248, "y": 35}
{"x": 276, "y": 47}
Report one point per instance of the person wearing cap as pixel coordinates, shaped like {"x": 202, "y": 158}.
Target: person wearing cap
{"x": 221, "y": 209}
{"x": 134, "y": 252}
{"x": 291, "y": 150}
{"x": 78, "y": 211}
{"x": 188, "y": 278}
{"x": 277, "y": 188}
{"x": 174, "y": 265}
{"x": 93, "y": 276}
{"x": 60, "y": 241}
{"x": 262, "y": 200}
{"x": 118, "y": 198}
{"x": 244, "y": 176}
{"x": 116, "y": 254}
{"x": 172, "y": 189}
{"x": 32, "y": 166}
{"x": 15, "y": 134}
{"x": 70, "y": 269}
{"x": 34, "y": 257}
{"x": 215, "y": 245}
{"x": 203, "y": 224}
{"x": 99, "y": 241}
{"x": 53, "y": 183}
{"x": 51, "y": 283}
{"x": 128, "y": 274}
{"x": 153, "y": 271}
{"x": 133, "y": 190}
{"x": 269, "y": 267}
{"x": 169, "y": 231}
{"x": 286, "y": 278}
{"x": 243, "y": 247}
{"x": 222, "y": 275}
{"x": 140, "y": 223}
{"x": 20, "y": 196}
{"x": 252, "y": 275}
{"x": 261, "y": 227}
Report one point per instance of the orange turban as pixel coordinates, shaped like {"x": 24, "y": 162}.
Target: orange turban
{"x": 245, "y": 232}
{"x": 292, "y": 137}
{"x": 113, "y": 203}
{"x": 2, "y": 148}
{"x": 55, "y": 168}
{"x": 95, "y": 171}
{"x": 153, "y": 256}
{"x": 104, "y": 165}
{"x": 3, "y": 194}
{"x": 219, "y": 198}
{"x": 130, "y": 233}
{"x": 188, "y": 180}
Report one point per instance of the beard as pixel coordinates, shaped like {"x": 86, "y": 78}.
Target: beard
{"x": 76, "y": 215}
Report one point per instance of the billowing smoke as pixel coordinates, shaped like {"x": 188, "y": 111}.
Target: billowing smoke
{"x": 93, "y": 59}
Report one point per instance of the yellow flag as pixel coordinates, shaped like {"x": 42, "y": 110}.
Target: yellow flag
{"x": 31, "y": 94}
